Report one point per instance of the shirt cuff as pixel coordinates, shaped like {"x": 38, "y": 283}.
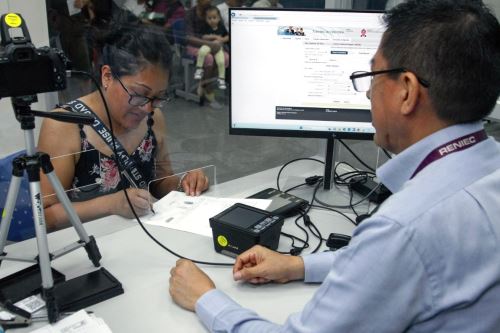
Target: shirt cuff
{"x": 210, "y": 304}
{"x": 317, "y": 266}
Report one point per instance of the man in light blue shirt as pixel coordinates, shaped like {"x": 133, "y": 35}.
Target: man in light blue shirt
{"x": 429, "y": 259}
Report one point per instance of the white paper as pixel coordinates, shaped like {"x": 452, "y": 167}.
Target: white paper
{"x": 79, "y": 322}
{"x": 31, "y": 304}
{"x": 178, "y": 211}
{"x": 71, "y": 7}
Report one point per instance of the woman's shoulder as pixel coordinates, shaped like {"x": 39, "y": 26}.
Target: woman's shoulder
{"x": 58, "y": 136}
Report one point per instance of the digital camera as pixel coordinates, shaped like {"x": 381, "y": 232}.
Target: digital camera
{"x": 24, "y": 69}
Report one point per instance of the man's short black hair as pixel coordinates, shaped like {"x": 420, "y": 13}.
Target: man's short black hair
{"x": 455, "y": 45}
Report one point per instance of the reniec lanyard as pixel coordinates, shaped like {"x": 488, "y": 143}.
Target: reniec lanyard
{"x": 459, "y": 144}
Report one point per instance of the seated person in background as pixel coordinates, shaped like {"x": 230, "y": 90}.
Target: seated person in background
{"x": 224, "y": 10}
{"x": 171, "y": 10}
{"x": 134, "y": 70}
{"x": 195, "y": 25}
{"x": 267, "y": 4}
{"x": 214, "y": 30}
{"x": 428, "y": 259}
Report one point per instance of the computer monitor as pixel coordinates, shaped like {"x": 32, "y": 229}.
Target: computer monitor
{"x": 290, "y": 73}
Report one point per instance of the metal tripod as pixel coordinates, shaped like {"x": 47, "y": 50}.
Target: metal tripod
{"x": 32, "y": 162}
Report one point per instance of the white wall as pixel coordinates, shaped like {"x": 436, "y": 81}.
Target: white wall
{"x": 495, "y": 6}
{"x": 34, "y": 14}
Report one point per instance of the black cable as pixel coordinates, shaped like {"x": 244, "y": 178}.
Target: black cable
{"x": 289, "y": 162}
{"x": 310, "y": 225}
{"x": 356, "y": 156}
{"x": 120, "y": 169}
{"x": 298, "y": 250}
{"x": 386, "y": 153}
{"x": 294, "y": 187}
{"x": 293, "y": 238}
{"x": 336, "y": 211}
{"x": 351, "y": 195}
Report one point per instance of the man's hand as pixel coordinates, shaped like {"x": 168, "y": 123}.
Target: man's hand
{"x": 195, "y": 182}
{"x": 188, "y": 283}
{"x": 261, "y": 265}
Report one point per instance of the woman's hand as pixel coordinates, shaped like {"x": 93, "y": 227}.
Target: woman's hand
{"x": 140, "y": 199}
{"x": 194, "y": 182}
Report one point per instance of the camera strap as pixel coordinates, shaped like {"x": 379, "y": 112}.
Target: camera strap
{"x": 132, "y": 172}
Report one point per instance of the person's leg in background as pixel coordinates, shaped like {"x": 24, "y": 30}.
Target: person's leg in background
{"x": 221, "y": 69}
{"x": 200, "y": 60}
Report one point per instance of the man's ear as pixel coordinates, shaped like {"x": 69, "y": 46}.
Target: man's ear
{"x": 410, "y": 92}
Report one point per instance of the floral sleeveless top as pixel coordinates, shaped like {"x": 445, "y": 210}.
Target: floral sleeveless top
{"x": 96, "y": 174}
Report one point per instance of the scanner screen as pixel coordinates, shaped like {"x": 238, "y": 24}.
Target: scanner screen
{"x": 244, "y": 218}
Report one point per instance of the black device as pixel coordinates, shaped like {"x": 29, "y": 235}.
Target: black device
{"x": 282, "y": 203}
{"x": 337, "y": 241}
{"x": 376, "y": 192}
{"x": 87, "y": 289}
{"x": 24, "y": 69}
{"x": 240, "y": 227}
{"x": 24, "y": 283}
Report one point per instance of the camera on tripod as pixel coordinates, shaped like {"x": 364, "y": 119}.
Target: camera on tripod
{"x": 24, "y": 72}
{"x": 24, "y": 69}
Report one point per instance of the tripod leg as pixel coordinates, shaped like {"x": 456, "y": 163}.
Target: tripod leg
{"x": 8, "y": 211}
{"x": 43, "y": 248}
{"x": 90, "y": 243}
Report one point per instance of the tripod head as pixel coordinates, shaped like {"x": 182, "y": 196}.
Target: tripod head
{"x": 25, "y": 115}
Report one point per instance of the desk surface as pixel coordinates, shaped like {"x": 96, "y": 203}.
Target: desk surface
{"x": 143, "y": 267}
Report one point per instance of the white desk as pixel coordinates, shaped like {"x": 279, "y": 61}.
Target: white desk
{"x": 143, "y": 267}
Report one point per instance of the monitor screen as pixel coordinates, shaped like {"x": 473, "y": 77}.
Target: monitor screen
{"x": 290, "y": 71}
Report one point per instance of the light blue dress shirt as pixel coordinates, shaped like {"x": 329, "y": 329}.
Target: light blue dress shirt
{"x": 427, "y": 261}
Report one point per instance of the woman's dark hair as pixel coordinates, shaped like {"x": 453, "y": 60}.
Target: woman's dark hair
{"x": 129, "y": 48}
{"x": 455, "y": 45}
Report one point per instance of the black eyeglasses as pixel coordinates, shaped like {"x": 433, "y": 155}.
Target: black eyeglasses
{"x": 141, "y": 100}
{"x": 362, "y": 80}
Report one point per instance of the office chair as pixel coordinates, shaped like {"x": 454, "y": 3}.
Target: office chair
{"x": 189, "y": 86}
{"x": 22, "y": 225}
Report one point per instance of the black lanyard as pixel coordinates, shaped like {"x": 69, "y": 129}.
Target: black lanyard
{"x": 134, "y": 176}
{"x": 453, "y": 146}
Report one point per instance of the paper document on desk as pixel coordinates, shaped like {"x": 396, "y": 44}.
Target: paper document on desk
{"x": 178, "y": 211}
{"x": 79, "y": 322}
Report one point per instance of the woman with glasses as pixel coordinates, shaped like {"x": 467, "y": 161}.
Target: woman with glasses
{"x": 134, "y": 70}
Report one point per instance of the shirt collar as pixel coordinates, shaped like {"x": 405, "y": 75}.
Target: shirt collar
{"x": 398, "y": 170}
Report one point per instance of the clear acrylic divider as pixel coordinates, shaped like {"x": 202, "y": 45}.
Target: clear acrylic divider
{"x": 161, "y": 186}
{"x": 95, "y": 175}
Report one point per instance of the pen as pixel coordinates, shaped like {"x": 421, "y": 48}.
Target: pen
{"x": 134, "y": 185}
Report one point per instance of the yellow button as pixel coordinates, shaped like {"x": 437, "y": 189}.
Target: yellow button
{"x": 222, "y": 241}
{"x": 13, "y": 20}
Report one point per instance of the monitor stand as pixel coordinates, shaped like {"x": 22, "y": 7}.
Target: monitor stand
{"x": 330, "y": 158}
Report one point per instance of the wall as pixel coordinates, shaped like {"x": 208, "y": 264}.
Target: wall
{"x": 495, "y": 6}
{"x": 33, "y": 12}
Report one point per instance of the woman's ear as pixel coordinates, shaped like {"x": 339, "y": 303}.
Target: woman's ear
{"x": 106, "y": 76}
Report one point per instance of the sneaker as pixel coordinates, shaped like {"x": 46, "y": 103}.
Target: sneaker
{"x": 221, "y": 83}
{"x": 198, "y": 73}
{"x": 215, "y": 105}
